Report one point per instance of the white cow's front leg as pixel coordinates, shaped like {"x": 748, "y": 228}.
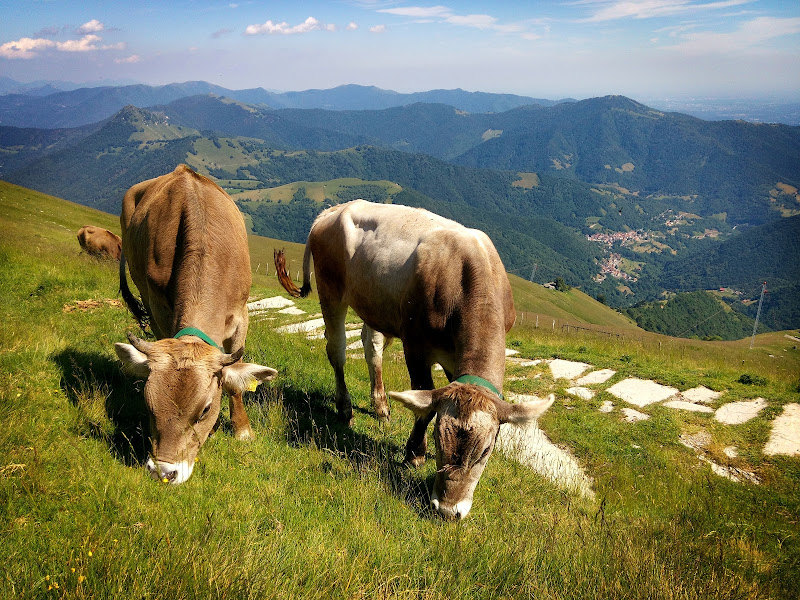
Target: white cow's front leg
{"x": 374, "y": 344}
{"x": 336, "y": 348}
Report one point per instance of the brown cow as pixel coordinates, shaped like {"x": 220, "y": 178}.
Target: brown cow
{"x": 186, "y": 246}
{"x": 99, "y": 242}
{"x": 442, "y": 290}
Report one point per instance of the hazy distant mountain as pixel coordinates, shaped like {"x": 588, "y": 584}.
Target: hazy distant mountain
{"x": 89, "y": 105}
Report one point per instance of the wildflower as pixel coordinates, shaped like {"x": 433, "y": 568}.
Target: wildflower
{"x": 81, "y": 579}
{"x": 90, "y": 553}
{"x": 72, "y": 569}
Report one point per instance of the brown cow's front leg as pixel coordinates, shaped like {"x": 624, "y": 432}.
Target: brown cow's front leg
{"x": 374, "y": 344}
{"x": 241, "y": 423}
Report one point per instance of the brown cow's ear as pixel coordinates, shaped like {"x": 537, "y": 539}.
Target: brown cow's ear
{"x": 133, "y": 361}
{"x": 241, "y": 376}
{"x": 420, "y": 402}
{"x": 523, "y": 412}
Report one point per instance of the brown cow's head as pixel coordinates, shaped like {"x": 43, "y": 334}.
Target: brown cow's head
{"x": 468, "y": 419}
{"x": 185, "y": 381}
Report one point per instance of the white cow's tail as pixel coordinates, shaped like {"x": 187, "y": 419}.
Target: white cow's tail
{"x": 286, "y": 279}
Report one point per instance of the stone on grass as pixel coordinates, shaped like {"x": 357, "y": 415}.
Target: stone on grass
{"x": 600, "y": 376}
{"x": 785, "y": 435}
{"x": 700, "y": 394}
{"x": 304, "y": 327}
{"x": 641, "y": 392}
{"x": 631, "y": 416}
{"x": 274, "y": 302}
{"x": 681, "y": 405}
{"x": 736, "y": 413}
{"x": 567, "y": 369}
{"x": 581, "y": 392}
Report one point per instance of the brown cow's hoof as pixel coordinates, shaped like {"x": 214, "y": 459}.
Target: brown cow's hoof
{"x": 245, "y": 435}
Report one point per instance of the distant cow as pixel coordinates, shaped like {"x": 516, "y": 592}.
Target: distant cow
{"x": 186, "y": 246}
{"x": 442, "y": 290}
{"x": 99, "y": 242}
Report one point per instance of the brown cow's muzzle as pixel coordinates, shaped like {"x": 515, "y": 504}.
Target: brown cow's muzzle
{"x": 168, "y": 472}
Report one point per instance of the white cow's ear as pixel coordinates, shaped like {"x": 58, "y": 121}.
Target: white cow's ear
{"x": 420, "y": 402}
{"x": 242, "y": 376}
{"x": 523, "y": 412}
{"x": 133, "y": 361}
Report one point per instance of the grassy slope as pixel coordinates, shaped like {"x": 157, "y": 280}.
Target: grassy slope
{"x": 313, "y": 510}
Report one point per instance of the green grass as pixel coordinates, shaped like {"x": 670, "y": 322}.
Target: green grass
{"x": 311, "y": 509}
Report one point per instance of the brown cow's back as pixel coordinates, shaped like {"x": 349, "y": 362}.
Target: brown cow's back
{"x": 100, "y": 242}
{"x": 185, "y": 243}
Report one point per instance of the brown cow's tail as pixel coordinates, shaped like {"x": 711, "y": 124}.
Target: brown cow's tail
{"x": 286, "y": 279}
{"x": 134, "y": 304}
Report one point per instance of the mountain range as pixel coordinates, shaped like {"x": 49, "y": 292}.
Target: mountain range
{"x": 612, "y": 195}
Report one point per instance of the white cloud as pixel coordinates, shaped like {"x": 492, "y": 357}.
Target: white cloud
{"x": 30, "y": 48}
{"x": 750, "y": 34}
{"x": 377, "y": 29}
{"x": 648, "y": 9}
{"x": 86, "y": 44}
{"x": 25, "y": 47}
{"x": 351, "y": 26}
{"x": 133, "y": 58}
{"x": 420, "y": 12}
{"x": 478, "y": 21}
{"x": 283, "y": 28}
{"x": 93, "y": 26}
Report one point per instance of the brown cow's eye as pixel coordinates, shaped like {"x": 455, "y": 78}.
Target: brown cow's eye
{"x": 204, "y": 413}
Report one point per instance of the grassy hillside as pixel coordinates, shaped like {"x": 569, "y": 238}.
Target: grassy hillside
{"x": 313, "y": 510}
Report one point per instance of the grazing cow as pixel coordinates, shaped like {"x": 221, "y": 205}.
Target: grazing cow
{"x": 442, "y": 290}
{"x": 186, "y": 246}
{"x": 99, "y": 242}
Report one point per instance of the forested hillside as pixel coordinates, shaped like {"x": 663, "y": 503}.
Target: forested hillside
{"x": 616, "y": 198}
{"x": 693, "y": 314}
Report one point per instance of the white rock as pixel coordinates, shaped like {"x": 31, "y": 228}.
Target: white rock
{"x": 274, "y": 302}
{"x": 631, "y": 416}
{"x": 600, "y": 376}
{"x": 700, "y": 394}
{"x": 529, "y": 445}
{"x": 304, "y": 327}
{"x": 785, "y": 435}
{"x": 606, "y": 407}
{"x": 681, "y": 405}
{"x": 736, "y": 413}
{"x": 581, "y": 392}
{"x": 641, "y": 392}
{"x": 567, "y": 369}
{"x": 292, "y": 310}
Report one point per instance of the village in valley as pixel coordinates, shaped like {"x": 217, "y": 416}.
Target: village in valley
{"x": 642, "y": 241}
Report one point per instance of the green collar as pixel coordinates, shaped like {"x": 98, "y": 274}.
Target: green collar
{"x": 475, "y": 380}
{"x": 197, "y": 333}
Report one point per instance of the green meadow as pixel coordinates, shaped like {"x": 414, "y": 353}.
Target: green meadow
{"x": 312, "y": 509}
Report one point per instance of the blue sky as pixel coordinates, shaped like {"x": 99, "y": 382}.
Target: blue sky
{"x": 547, "y": 49}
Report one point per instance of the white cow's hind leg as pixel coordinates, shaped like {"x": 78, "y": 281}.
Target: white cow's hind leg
{"x": 374, "y": 344}
{"x": 336, "y": 348}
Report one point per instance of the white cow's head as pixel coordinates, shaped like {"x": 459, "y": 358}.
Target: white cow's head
{"x": 468, "y": 419}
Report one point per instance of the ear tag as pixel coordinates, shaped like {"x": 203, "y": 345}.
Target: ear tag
{"x": 253, "y": 385}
